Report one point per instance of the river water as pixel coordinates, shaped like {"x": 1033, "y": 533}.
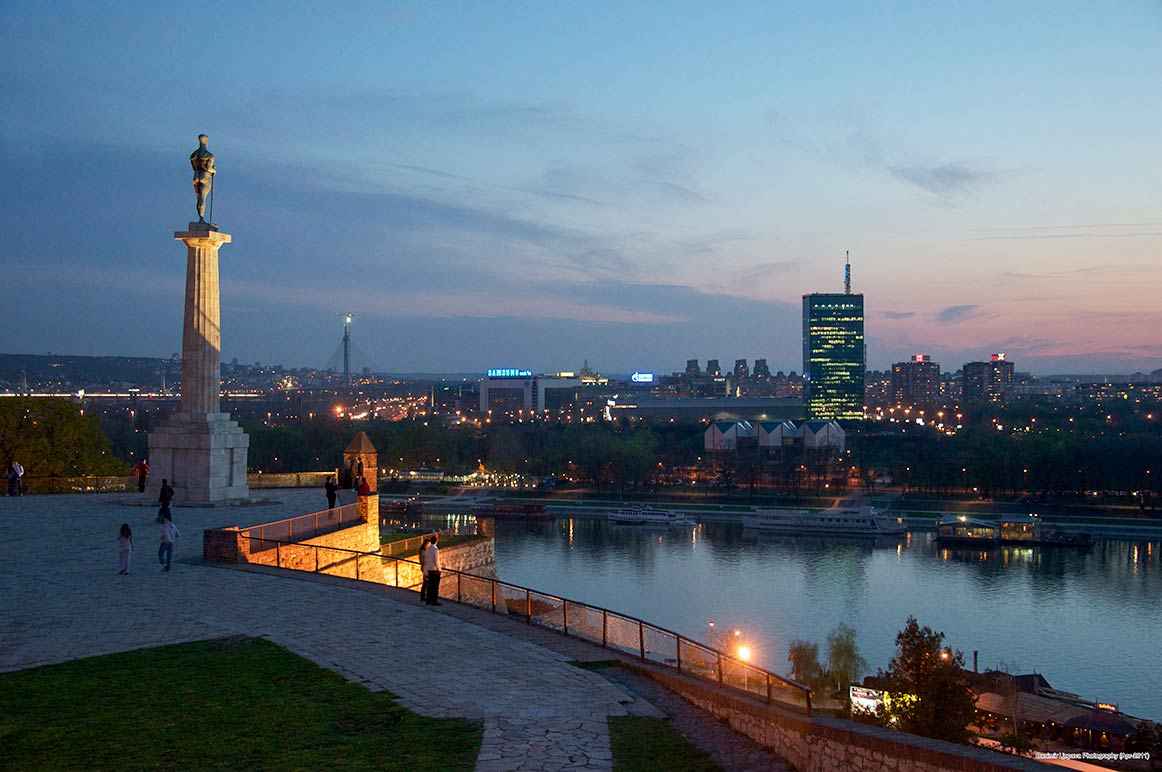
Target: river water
{"x": 1089, "y": 621}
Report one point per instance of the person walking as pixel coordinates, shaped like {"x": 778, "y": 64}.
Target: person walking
{"x": 423, "y": 569}
{"x": 169, "y": 534}
{"x": 11, "y": 478}
{"x": 125, "y": 548}
{"x": 164, "y": 497}
{"x": 332, "y": 492}
{"x": 142, "y": 472}
{"x": 19, "y": 470}
{"x": 432, "y": 571}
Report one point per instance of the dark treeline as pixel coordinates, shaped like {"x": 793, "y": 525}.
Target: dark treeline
{"x": 1001, "y": 451}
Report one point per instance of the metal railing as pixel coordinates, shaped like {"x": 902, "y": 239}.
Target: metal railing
{"x": 305, "y": 526}
{"x": 84, "y": 484}
{"x": 610, "y": 629}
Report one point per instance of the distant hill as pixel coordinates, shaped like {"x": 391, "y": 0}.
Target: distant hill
{"x": 81, "y": 372}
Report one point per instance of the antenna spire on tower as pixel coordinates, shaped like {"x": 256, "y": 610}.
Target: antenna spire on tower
{"x": 847, "y": 273}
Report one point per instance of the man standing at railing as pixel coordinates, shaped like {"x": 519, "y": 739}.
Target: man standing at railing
{"x": 432, "y": 571}
{"x": 424, "y": 569}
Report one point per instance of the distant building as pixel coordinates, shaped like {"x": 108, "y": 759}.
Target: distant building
{"x": 834, "y": 355}
{"x": 990, "y": 381}
{"x": 510, "y": 391}
{"x": 775, "y": 438}
{"x": 712, "y": 368}
{"x": 692, "y": 367}
{"x": 761, "y": 371}
{"x": 916, "y": 383}
{"x": 740, "y": 369}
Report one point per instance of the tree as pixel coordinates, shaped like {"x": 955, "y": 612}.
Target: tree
{"x": 927, "y": 689}
{"x": 53, "y": 438}
{"x": 804, "y": 659}
{"x": 844, "y": 663}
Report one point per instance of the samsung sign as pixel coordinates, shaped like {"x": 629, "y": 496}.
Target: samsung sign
{"x": 642, "y": 377}
{"x": 509, "y": 372}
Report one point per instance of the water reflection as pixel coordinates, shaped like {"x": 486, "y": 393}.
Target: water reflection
{"x": 1088, "y": 619}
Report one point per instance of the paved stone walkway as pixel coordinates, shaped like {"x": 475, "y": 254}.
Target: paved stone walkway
{"x": 63, "y": 599}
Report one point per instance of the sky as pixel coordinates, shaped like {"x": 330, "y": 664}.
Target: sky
{"x": 526, "y": 184}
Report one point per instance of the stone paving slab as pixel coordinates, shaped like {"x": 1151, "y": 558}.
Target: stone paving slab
{"x": 63, "y": 599}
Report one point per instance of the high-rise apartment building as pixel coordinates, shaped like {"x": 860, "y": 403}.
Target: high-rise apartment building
{"x": 990, "y": 381}
{"x": 740, "y": 369}
{"x": 761, "y": 371}
{"x": 692, "y": 367}
{"x": 712, "y": 368}
{"x": 834, "y": 355}
{"x": 916, "y": 383}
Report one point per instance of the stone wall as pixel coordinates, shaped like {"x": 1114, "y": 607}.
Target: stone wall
{"x": 823, "y": 744}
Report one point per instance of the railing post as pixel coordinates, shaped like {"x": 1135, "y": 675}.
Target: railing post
{"x": 277, "y": 555}
{"x": 316, "y": 524}
{"x": 493, "y": 583}
{"x": 397, "y": 573}
{"x": 528, "y": 606}
{"x": 316, "y": 560}
{"x": 565, "y": 610}
{"x": 604, "y": 628}
{"x": 769, "y": 699}
{"x": 356, "y": 565}
{"x": 808, "y": 703}
{"x": 641, "y": 638}
{"x": 459, "y": 596}
{"x": 720, "y": 668}
{"x": 678, "y": 653}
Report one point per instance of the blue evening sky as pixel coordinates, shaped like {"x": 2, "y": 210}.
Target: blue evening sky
{"x": 517, "y": 184}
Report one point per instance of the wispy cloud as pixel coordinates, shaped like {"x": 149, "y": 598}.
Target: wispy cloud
{"x": 897, "y": 314}
{"x": 954, "y": 314}
{"x": 950, "y": 178}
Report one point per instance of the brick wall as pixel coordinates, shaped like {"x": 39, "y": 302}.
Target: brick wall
{"x": 822, "y": 744}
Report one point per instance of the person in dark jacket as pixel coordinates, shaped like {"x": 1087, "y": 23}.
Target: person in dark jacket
{"x": 332, "y": 491}
{"x": 164, "y": 498}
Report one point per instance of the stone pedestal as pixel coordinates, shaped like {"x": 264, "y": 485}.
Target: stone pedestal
{"x": 203, "y": 455}
{"x": 200, "y": 450}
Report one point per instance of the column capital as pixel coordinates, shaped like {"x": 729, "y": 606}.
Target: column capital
{"x": 201, "y": 234}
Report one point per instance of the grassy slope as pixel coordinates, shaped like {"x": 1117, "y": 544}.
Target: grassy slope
{"x": 215, "y": 705}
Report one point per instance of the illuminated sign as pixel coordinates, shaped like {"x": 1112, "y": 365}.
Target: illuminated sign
{"x": 509, "y": 372}
{"x": 642, "y": 377}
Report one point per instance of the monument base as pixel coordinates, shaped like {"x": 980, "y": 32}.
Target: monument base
{"x": 203, "y": 455}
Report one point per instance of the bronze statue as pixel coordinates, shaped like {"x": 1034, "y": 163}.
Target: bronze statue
{"x": 203, "y": 162}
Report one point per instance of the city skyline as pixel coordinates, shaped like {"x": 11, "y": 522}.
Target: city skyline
{"x": 515, "y": 186}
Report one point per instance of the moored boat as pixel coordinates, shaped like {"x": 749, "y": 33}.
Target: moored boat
{"x": 864, "y": 521}
{"x": 513, "y": 511}
{"x": 961, "y": 529}
{"x": 646, "y": 516}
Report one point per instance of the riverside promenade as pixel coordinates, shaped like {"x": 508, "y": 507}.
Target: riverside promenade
{"x": 63, "y": 599}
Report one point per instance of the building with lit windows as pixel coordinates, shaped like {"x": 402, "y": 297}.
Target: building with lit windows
{"x": 834, "y": 355}
{"x": 990, "y": 381}
{"x": 916, "y": 383}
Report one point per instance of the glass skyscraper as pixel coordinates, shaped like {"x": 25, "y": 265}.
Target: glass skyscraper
{"x": 834, "y": 359}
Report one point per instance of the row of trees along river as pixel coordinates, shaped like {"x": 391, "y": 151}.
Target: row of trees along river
{"x": 1001, "y": 450}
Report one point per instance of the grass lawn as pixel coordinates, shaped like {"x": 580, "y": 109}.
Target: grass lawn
{"x": 233, "y": 704}
{"x": 650, "y": 744}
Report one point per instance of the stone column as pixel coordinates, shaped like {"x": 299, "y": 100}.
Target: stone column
{"x": 199, "y": 449}
{"x": 201, "y": 330}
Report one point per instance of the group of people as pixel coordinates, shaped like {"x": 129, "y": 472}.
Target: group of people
{"x": 362, "y": 488}
{"x": 430, "y": 566}
{"x": 15, "y": 478}
{"x": 165, "y": 544}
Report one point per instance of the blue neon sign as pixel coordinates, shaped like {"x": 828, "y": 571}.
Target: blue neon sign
{"x": 642, "y": 377}
{"x": 509, "y": 372}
